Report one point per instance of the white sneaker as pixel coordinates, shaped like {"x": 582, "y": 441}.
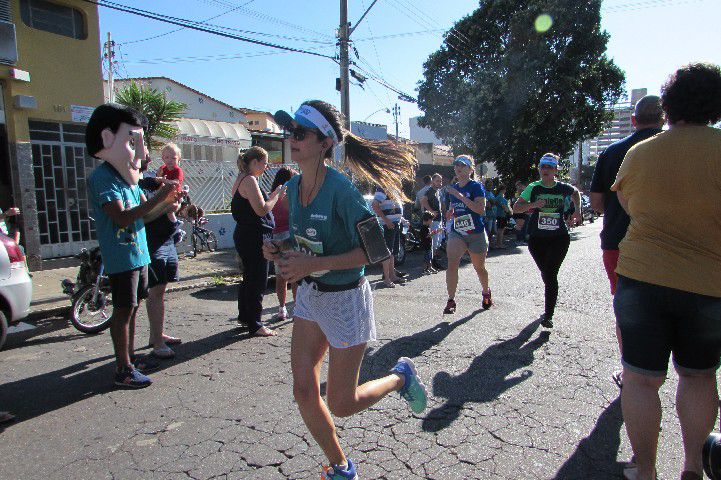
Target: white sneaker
{"x": 282, "y": 313}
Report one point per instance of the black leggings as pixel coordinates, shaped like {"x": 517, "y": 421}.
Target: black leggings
{"x": 548, "y": 253}
{"x": 249, "y": 245}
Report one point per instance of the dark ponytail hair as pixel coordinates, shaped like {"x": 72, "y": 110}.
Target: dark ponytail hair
{"x": 281, "y": 176}
{"x": 384, "y": 163}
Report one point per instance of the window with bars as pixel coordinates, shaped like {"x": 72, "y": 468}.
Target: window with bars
{"x": 54, "y": 18}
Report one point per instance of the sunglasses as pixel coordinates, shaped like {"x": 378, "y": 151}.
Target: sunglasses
{"x": 299, "y": 133}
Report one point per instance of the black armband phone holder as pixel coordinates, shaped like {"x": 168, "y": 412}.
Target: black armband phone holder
{"x": 372, "y": 241}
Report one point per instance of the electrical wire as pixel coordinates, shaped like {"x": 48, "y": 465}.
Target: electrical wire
{"x": 188, "y": 24}
{"x": 378, "y": 59}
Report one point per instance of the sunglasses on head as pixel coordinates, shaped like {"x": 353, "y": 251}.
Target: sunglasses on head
{"x": 299, "y": 133}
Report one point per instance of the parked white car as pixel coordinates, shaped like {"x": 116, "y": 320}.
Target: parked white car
{"x": 16, "y": 286}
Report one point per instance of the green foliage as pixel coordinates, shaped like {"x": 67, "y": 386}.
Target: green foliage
{"x": 506, "y": 93}
{"x": 160, "y": 111}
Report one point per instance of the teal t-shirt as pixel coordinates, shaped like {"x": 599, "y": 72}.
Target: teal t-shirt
{"x": 501, "y": 202}
{"x": 490, "y": 205}
{"x": 122, "y": 249}
{"x": 328, "y": 225}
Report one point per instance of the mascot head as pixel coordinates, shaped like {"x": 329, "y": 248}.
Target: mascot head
{"x": 115, "y": 134}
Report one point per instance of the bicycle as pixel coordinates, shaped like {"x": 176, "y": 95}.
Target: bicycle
{"x": 202, "y": 238}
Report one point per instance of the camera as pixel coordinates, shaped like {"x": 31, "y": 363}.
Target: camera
{"x": 712, "y": 456}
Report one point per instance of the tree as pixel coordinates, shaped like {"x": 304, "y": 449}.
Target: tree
{"x": 160, "y": 111}
{"x": 508, "y": 92}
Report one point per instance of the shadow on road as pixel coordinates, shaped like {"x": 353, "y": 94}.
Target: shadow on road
{"x": 595, "y": 455}
{"x": 379, "y": 361}
{"x": 486, "y": 378}
{"x": 35, "y": 396}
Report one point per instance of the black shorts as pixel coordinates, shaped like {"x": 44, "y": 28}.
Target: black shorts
{"x": 501, "y": 223}
{"x": 129, "y": 287}
{"x": 163, "y": 267}
{"x": 656, "y": 321}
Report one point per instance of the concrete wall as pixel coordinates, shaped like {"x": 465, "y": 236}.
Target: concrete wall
{"x": 421, "y": 134}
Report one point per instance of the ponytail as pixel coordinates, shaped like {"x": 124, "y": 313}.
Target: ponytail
{"x": 253, "y": 153}
{"x": 383, "y": 163}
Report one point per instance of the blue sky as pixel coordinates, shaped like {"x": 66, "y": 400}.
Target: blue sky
{"x": 649, "y": 39}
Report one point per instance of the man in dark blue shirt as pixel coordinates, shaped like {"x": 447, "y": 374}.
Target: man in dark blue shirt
{"x": 648, "y": 118}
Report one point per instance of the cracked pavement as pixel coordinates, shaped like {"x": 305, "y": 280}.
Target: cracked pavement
{"x": 508, "y": 400}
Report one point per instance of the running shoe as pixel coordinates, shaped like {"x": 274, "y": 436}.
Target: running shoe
{"x": 163, "y": 353}
{"x": 282, "y": 314}
{"x": 413, "y": 391}
{"x": 400, "y": 273}
{"x": 144, "y": 363}
{"x": 487, "y": 302}
{"x": 450, "y": 307}
{"x": 131, "y": 378}
{"x": 546, "y": 321}
{"x": 335, "y": 473}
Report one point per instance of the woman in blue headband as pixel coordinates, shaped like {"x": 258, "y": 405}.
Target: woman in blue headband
{"x": 467, "y": 199}
{"x": 548, "y": 239}
{"x": 334, "y": 306}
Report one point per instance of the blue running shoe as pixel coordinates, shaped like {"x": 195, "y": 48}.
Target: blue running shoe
{"x": 335, "y": 473}
{"x": 413, "y": 391}
{"x": 131, "y": 378}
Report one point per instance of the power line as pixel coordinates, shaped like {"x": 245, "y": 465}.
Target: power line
{"x": 642, "y": 5}
{"x": 182, "y": 28}
{"x": 189, "y": 24}
{"x": 378, "y": 59}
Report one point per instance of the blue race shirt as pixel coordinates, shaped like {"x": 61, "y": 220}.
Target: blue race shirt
{"x": 122, "y": 249}
{"x": 328, "y": 225}
{"x": 466, "y": 221}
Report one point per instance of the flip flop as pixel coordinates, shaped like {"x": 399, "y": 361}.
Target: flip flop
{"x": 617, "y": 378}
{"x": 6, "y": 417}
{"x": 171, "y": 340}
{"x": 270, "y": 333}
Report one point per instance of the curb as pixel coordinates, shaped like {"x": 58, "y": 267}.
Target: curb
{"x": 63, "y": 311}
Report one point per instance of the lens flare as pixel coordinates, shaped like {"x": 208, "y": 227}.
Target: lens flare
{"x": 543, "y": 23}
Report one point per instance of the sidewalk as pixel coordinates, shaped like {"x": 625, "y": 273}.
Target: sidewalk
{"x": 49, "y": 300}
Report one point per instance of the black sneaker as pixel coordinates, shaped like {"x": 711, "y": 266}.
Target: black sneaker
{"x": 450, "y": 307}
{"x": 437, "y": 265}
{"x": 546, "y": 321}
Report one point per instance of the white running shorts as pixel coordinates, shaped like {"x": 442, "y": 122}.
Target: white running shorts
{"x": 346, "y": 318}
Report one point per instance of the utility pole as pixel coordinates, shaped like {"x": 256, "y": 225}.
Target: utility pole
{"x": 110, "y": 56}
{"x": 396, "y": 114}
{"x": 343, "y": 40}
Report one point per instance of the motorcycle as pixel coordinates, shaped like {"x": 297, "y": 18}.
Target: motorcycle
{"x": 91, "y": 305}
{"x": 409, "y": 241}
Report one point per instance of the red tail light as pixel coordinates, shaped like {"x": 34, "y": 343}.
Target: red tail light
{"x": 15, "y": 252}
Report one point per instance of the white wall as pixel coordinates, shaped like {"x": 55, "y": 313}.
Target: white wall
{"x": 369, "y": 131}
{"x": 199, "y": 106}
{"x": 422, "y": 135}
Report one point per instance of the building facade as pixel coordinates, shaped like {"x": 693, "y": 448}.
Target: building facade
{"x": 50, "y": 82}
{"x": 421, "y": 134}
{"x": 620, "y": 126}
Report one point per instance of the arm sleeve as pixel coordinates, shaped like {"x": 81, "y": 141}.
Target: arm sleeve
{"x": 107, "y": 191}
{"x": 479, "y": 191}
{"x": 351, "y": 207}
{"x": 526, "y": 193}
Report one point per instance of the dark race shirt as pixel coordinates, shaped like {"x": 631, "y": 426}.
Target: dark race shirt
{"x": 615, "y": 219}
{"x": 548, "y": 221}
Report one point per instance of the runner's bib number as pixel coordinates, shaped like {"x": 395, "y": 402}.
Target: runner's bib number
{"x": 549, "y": 221}
{"x": 464, "y": 224}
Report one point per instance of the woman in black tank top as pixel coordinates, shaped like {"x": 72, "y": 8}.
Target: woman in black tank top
{"x": 251, "y": 209}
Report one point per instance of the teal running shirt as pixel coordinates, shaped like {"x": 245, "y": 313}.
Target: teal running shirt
{"x": 328, "y": 225}
{"x": 548, "y": 221}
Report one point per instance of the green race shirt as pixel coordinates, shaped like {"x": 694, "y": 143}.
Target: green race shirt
{"x": 549, "y": 220}
{"x": 328, "y": 225}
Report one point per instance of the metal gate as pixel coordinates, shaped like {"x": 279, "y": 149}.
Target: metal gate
{"x": 60, "y": 168}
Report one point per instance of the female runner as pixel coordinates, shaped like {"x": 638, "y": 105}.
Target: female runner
{"x": 548, "y": 237}
{"x": 467, "y": 232}
{"x": 334, "y": 306}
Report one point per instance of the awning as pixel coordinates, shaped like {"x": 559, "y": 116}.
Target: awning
{"x": 207, "y": 132}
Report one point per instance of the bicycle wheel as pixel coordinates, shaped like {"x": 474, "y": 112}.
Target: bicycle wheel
{"x": 91, "y": 315}
{"x": 211, "y": 242}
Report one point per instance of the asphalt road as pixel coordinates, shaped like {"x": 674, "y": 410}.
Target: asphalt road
{"x": 508, "y": 401}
